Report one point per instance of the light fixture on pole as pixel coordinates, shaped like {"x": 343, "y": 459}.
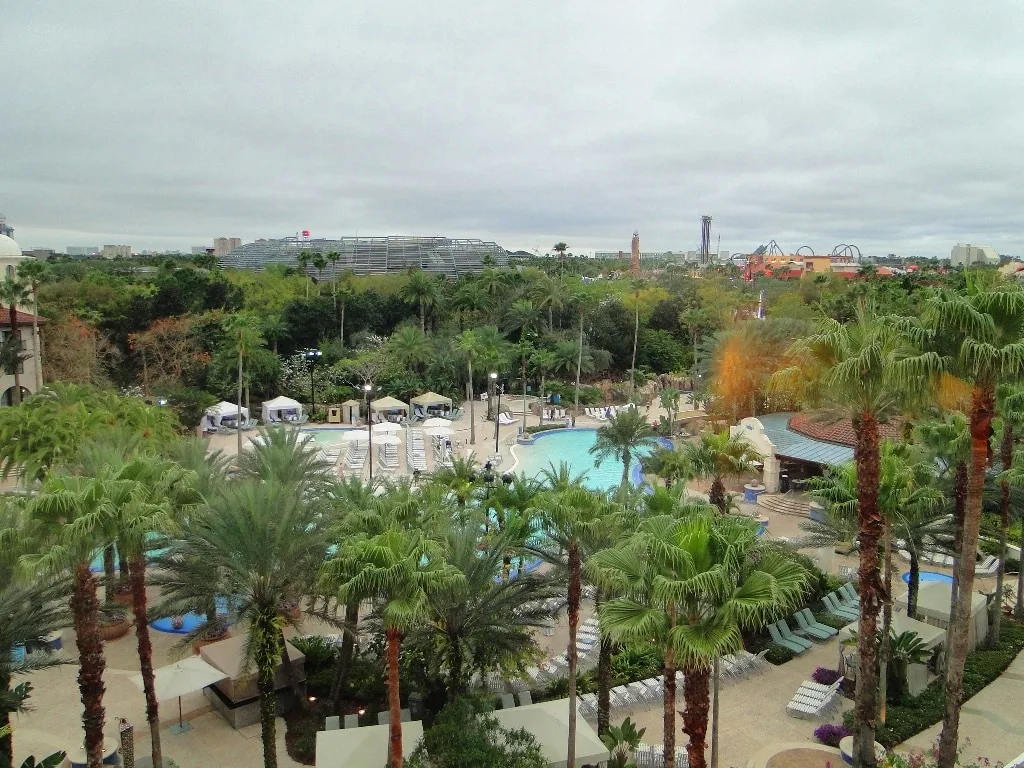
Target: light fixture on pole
{"x": 497, "y": 412}
{"x": 312, "y": 358}
{"x": 367, "y": 389}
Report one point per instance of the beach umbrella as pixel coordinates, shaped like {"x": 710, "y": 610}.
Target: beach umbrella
{"x": 386, "y": 427}
{"x": 435, "y": 422}
{"x": 354, "y": 435}
{"x": 181, "y": 678}
{"x": 387, "y": 440}
{"x": 438, "y": 431}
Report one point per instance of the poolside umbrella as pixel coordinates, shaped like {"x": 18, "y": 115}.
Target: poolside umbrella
{"x": 178, "y": 679}
{"x": 435, "y": 422}
{"x": 388, "y": 440}
{"x": 355, "y": 435}
{"x": 438, "y": 431}
{"x": 386, "y": 427}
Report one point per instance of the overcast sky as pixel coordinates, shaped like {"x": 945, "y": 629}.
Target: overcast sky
{"x": 896, "y": 126}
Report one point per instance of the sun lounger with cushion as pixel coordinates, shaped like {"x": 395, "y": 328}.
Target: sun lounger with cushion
{"x": 780, "y": 640}
{"x": 836, "y": 609}
{"x": 813, "y": 622}
{"x": 812, "y": 630}
{"x": 788, "y": 634}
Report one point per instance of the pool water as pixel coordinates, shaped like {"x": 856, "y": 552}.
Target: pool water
{"x": 325, "y": 436}
{"x": 928, "y": 576}
{"x": 573, "y": 447}
{"x": 96, "y": 566}
{"x": 191, "y": 620}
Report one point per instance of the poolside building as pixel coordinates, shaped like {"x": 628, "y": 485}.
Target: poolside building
{"x": 371, "y": 255}
{"x": 29, "y": 370}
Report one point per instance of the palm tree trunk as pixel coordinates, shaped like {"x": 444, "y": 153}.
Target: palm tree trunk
{"x": 716, "y": 495}
{"x": 291, "y": 676}
{"x": 959, "y": 510}
{"x": 543, "y": 400}
{"x": 696, "y": 694}
{"x": 341, "y": 326}
{"x": 268, "y": 715}
{"x": 714, "y": 715}
{"x": 604, "y": 685}
{"x": 575, "y": 578}
{"x": 109, "y": 573}
{"x": 636, "y": 335}
{"x": 866, "y": 456}
{"x": 668, "y": 717}
{"x": 348, "y": 646}
{"x": 914, "y": 584}
{"x": 626, "y": 458}
{"x": 1018, "y": 609}
{"x": 579, "y": 369}
{"x": 37, "y": 342}
{"x": 522, "y": 371}
{"x": 16, "y": 335}
{"x": 137, "y": 576}
{"x": 886, "y": 623}
{"x": 238, "y": 456}
{"x": 84, "y": 610}
{"x": 982, "y": 408}
{"x": 1006, "y": 457}
{"x": 394, "y": 641}
{"x": 7, "y": 740}
{"x": 472, "y": 412}
{"x": 423, "y": 317}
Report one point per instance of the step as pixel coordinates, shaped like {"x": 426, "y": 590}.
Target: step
{"x": 784, "y": 504}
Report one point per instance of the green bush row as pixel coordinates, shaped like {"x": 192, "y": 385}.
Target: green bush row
{"x": 544, "y": 427}
{"x": 915, "y": 713}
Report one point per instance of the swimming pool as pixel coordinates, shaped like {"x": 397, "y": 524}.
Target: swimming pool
{"x": 928, "y": 576}
{"x": 325, "y": 435}
{"x": 573, "y": 447}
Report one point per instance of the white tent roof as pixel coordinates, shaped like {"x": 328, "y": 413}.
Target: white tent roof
{"x": 933, "y": 608}
{"x": 548, "y": 721}
{"x": 429, "y": 399}
{"x": 279, "y": 404}
{"x": 389, "y": 404}
{"x": 182, "y": 678}
{"x": 224, "y": 408}
{"x": 929, "y": 634}
{"x": 365, "y": 747}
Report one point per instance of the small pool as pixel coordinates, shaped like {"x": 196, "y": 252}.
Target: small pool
{"x": 96, "y": 566}
{"x": 928, "y": 576}
{"x": 325, "y": 435}
{"x": 191, "y": 620}
{"x": 573, "y": 447}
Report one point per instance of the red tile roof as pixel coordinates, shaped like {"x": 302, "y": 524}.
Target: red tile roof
{"x": 831, "y": 429}
{"x": 24, "y": 318}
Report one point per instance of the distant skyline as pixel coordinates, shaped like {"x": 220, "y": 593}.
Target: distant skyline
{"x": 893, "y": 126}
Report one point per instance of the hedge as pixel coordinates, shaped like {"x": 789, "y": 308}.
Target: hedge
{"x": 915, "y": 713}
{"x": 544, "y": 427}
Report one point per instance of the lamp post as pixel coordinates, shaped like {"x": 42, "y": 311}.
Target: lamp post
{"x": 312, "y": 356}
{"x": 367, "y": 389}
{"x": 497, "y": 412}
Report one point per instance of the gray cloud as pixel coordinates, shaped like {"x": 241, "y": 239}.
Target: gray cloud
{"x": 892, "y": 125}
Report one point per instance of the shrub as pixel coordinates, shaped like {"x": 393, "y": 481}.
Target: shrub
{"x": 636, "y": 662}
{"x": 831, "y": 734}
{"x": 544, "y": 427}
{"x": 825, "y": 676}
{"x": 829, "y": 620}
{"x": 305, "y": 749}
{"x": 777, "y": 654}
{"x": 319, "y": 653}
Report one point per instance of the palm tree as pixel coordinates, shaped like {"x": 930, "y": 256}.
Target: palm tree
{"x": 694, "y": 583}
{"x": 548, "y": 293}
{"x": 571, "y": 517}
{"x": 979, "y": 335}
{"x": 469, "y": 347}
{"x": 411, "y": 347}
{"x": 35, "y": 273}
{"x": 265, "y": 544}
{"x": 621, "y": 438}
{"x": 1010, "y": 401}
{"x": 14, "y": 293}
{"x": 73, "y": 518}
{"x": 244, "y": 335}
{"x": 694, "y": 320}
{"x": 469, "y": 299}
{"x": 543, "y": 360}
{"x": 319, "y": 263}
{"x": 399, "y": 569}
{"x": 861, "y": 368}
{"x": 274, "y": 328}
{"x": 345, "y": 292}
{"x": 303, "y": 260}
{"x": 637, "y": 286}
{"x": 670, "y": 402}
{"x": 281, "y": 457}
{"x": 719, "y": 457}
{"x": 560, "y": 248}
{"x": 333, "y": 258}
{"x": 671, "y": 465}
{"x": 421, "y": 290}
{"x": 522, "y": 316}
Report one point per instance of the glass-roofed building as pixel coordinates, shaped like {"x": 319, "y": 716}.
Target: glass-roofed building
{"x": 372, "y": 255}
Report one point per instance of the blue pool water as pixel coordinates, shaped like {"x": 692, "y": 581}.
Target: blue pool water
{"x": 192, "y": 620}
{"x": 929, "y": 576}
{"x": 325, "y": 436}
{"x": 573, "y": 447}
{"x": 96, "y": 566}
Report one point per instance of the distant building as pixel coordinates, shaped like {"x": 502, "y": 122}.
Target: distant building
{"x": 200, "y": 250}
{"x": 965, "y": 254}
{"x": 40, "y": 254}
{"x": 635, "y": 252}
{"x": 116, "y": 252}
{"x": 222, "y": 246}
{"x": 29, "y": 373}
{"x": 82, "y": 251}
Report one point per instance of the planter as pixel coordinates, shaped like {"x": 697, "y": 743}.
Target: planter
{"x": 123, "y": 598}
{"x": 114, "y": 631}
{"x": 203, "y": 642}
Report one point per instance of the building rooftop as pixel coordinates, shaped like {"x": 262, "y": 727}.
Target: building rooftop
{"x": 790, "y": 444}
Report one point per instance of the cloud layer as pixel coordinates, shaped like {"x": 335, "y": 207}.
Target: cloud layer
{"x": 896, "y": 126}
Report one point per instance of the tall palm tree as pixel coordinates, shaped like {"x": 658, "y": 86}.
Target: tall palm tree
{"x": 522, "y": 315}
{"x": 319, "y": 262}
{"x": 73, "y": 517}
{"x": 264, "y": 543}
{"x": 719, "y": 457}
{"x": 862, "y": 369}
{"x": 421, "y": 290}
{"x": 245, "y": 338}
{"x": 333, "y": 258}
{"x": 399, "y": 569}
{"x": 560, "y": 248}
{"x": 303, "y": 260}
{"x": 621, "y": 438}
{"x": 549, "y": 293}
{"x": 470, "y": 299}
{"x": 979, "y": 335}
{"x": 274, "y": 328}
{"x": 34, "y": 273}
{"x": 694, "y": 583}
{"x": 282, "y": 457}
{"x": 637, "y": 286}
{"x": 544, "y": 361}
{"x": 570, "y": 517}
{"x": 14, "y": 293}
{"x": 345, "y": 292}
{"x": 1010, "y": 401}
{"x": 470, "y": 348}
{"x": 411, "y": 347}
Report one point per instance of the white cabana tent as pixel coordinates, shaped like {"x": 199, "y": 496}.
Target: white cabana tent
{"x": 389, "y": 406}
{"x": 432, "y": 400}
{"x": 280, "y": 407}
{"x": 548, "y": 721}
{"x": 223, "y": 411}
{"x": 933, "y": 608}
{"x": 179, "y": 679}
{"x": 365, "y": 747}
{"x": 932, "y": 636}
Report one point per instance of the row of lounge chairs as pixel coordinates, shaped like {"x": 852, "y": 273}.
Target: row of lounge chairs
{"x": 508, "y": 700}
{"x": 797, "y": 640}
{"x": 550, "y": 414}
{"x": 505, "y": 418}
{"x": 387, "y": 458}
{"x": 814, "y": 699}
{"x": 653, "y": 756}
{"x": 230, "y": 428}
{"x": 355, "y": 459}
{"x": 416, "y": 451}
{"x": 295, "y": 420}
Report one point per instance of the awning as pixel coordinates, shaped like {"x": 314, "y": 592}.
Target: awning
{"x": 181, "y": 678}
{"x": 364, "y": 747}
{"x": 431, "y": 399}
{"x": 389, "y": 404}
{"x": 548, "y": 721}
{"x": 280, "y": 406}
{"x": 930, "y": 635}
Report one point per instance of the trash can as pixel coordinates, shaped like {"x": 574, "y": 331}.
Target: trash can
{"x": 334, "y": 414}
{"x": 784, "y": 482}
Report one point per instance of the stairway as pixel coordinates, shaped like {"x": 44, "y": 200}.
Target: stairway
{"x": 784, "y": 504}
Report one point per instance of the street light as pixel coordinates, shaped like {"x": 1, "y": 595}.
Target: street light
{"x": 497, "y": 412}
{"x": 312, "y": 357}
{"x": 367, "y": 389}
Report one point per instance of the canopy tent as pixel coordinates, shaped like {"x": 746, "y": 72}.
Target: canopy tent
{"x": 179, "y": 679}
{"x": 385, "y": 427}
{"x": 281, "y": 407}
{"x": 431, "y": 400}
{"x": 549, "y": 724}
{"x": 389, "y": 404}
{"x": 365, "y": 747}
{"x": 223, "y": 411}
{"x": 930, "y": 635}
{"x": 933, "y": 608}
{"x": 435, "y": 422}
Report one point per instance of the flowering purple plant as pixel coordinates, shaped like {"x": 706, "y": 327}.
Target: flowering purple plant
{"x": 825, "y": 676}
{"x": 830, "y": 734}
